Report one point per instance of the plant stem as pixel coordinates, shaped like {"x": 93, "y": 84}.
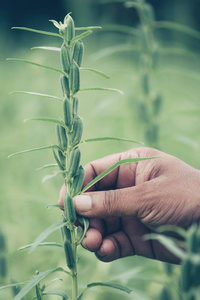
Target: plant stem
{"x": 74, "y": 270}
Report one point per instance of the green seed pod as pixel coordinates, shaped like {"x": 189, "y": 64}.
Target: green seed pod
{"x": 186, "y": 278}
{"x": 61, "y": 137}
{"x": 74, "y": 78}
{"x": 143, "y": 113}
{"x": 70, "y": 213}
{"x": 65, "y": 58}
{"x": 74, "y": 162}
{"x": 60, "y": 164}
{"x": 38, "y": 292}
{"x": 67, "y": 111}
{"x": 77, "y": 131}
{"x": 145, "y": 83}
{"x": 75, "y": 107}
{"x": 78, "y": 182}
{"x": 66, "y": 234}
{"x": 69, "y": 30}
{"x": 64, "y": 81}
{"x": 157, "y": 104}
{"x": 69, "y": 255}
{"x": 166, "y": 294}
{"x": 193, "y": 239}
{"x": 151, "y": 134}
{"x": 78, "y": 52}
{"x": 3, "y": 266}
{"x": 149, "y": 13}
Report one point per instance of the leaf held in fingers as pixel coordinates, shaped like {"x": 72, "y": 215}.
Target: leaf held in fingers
{"x": 106, "y": 172}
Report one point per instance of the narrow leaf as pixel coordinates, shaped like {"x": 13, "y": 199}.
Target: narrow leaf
{"x": 88, "y": 28}
{"x": 12, "y": 285}
{"x": 171, "y": 228}
{"x": 81, "y": 36}
{"x": 112, "y": 285}
{"x": 110, "y": 138}
{"x": 38, "y": 31}
{"x": 168, "y": 243}
{"x": 85, "y": 222}
{"x": 55, "y": 173}
{"x": 54, "y": 206}
{"x": 121, "y": 162}
{"x": 46, "y": 48}
{"x": 47, "y": 120}
{"x": 96, "y": 71}
{"x": 101, "y": 89}
{"x": 33, "y": 282}
{"x": 34, "y": 149}
{"x": 121, "y": 29}
{"x": 178, "y": 27}
{"x": 37, "y": 94}
{"x": 36, "y": 64}
{"x": 53, "y": 280}
{"x": 47, "y": 166}
{"x": 46, "y": 233}
{"x": 115, "y": 50}
{"x": 57, "y": 293}
{"x": 46, "y": 244}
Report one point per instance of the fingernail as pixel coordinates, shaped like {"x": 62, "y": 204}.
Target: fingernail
{"x": 83, "y": 203}
{"x": 100, "y": 254}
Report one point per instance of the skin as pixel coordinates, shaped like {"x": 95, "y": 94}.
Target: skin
{"x": 134, "y": 200}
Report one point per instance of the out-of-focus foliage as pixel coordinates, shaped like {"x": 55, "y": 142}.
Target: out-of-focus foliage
{"x": 23, "y": 197}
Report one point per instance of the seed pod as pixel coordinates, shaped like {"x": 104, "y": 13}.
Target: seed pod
{"x": 192, "y": 239}
{"x": 196, "y": 275}
{"x": 60, "y": 164}
{"x": 66, "y": 234}
{"x": 64, "y": 81}
{"x": 70, "y": 214}
{"x": 143, "y": 113}
{"x": 69, "y": 30}
{"x": 78, "y": 182}
{"x": 75, "y": 107}
{"x": 145, "y": 83}
{"x": 74, "y": 78}
{"x": 157, "y": 104}
{"x": 74, "y": 162}
{"x": 65, "y": 58}
{"x": 69, "y": 255}
{"x": 77, "y": 131}
{"x": 62, "y": 137}
{"x": 67, "y": 111}
{"x": 186, "y": 278}
{"x": 78, "y": 52}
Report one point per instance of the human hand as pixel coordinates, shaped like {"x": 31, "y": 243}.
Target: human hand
{"x": 134, "y": 200}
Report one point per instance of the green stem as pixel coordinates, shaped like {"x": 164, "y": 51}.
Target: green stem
{"x": 74, "y": 270}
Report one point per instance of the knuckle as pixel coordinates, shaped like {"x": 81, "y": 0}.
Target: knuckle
{"x": 111, "y": 201}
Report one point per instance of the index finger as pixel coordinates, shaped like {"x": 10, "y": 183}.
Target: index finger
{"x": 121, "y": 177}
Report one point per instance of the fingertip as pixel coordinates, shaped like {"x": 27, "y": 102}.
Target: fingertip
{"x": 107, "y": 252}
{"x": 92, "y": 240}
{"x": 61, "y": 196}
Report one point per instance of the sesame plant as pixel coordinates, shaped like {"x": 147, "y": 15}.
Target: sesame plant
{"x": 67, "y": 156}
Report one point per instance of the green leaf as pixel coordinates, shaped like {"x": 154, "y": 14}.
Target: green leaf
{"x": 85, "y": 222}
{"x": 101, "y": 89}
{"x": 110, "y": 138}
{"x": 47, "y": 166}
{"x": 46, "y": 244}
{"x": 34, "y": 149}
{"x": 46, "y": 48}
{"x": 88, "y": 28}
{"x": 38, "y": 31}
{"x": 106, "y": 284}
{"x": 121, "y": 29}
{"x": 36, "y": 64}
{"x": 54, "y": 206}
{"x": 168, "y": 243}
{"x": 178, "y": 27}
{"x": 57, "y": 293}
{"x": 61, "y": 123}
{"x": 33, "y": 282}
{"x": 106, "y": 172}
{"x": 172, "y": 228}
{"x": 55, "y": 173}
{"x": 12, "y": 285}
{"x": 96, "y": 71}
{"x": 37, "y": 94}
{"x": 46, "y": 233}
{"x": 53, "y": 280}
{"x": 81, "y": 36}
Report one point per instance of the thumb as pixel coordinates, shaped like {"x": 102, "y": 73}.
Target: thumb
{"x": 112, "y": 203}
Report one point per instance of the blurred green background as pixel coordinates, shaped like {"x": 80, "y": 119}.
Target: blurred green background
{"x": 23, "y": 196}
